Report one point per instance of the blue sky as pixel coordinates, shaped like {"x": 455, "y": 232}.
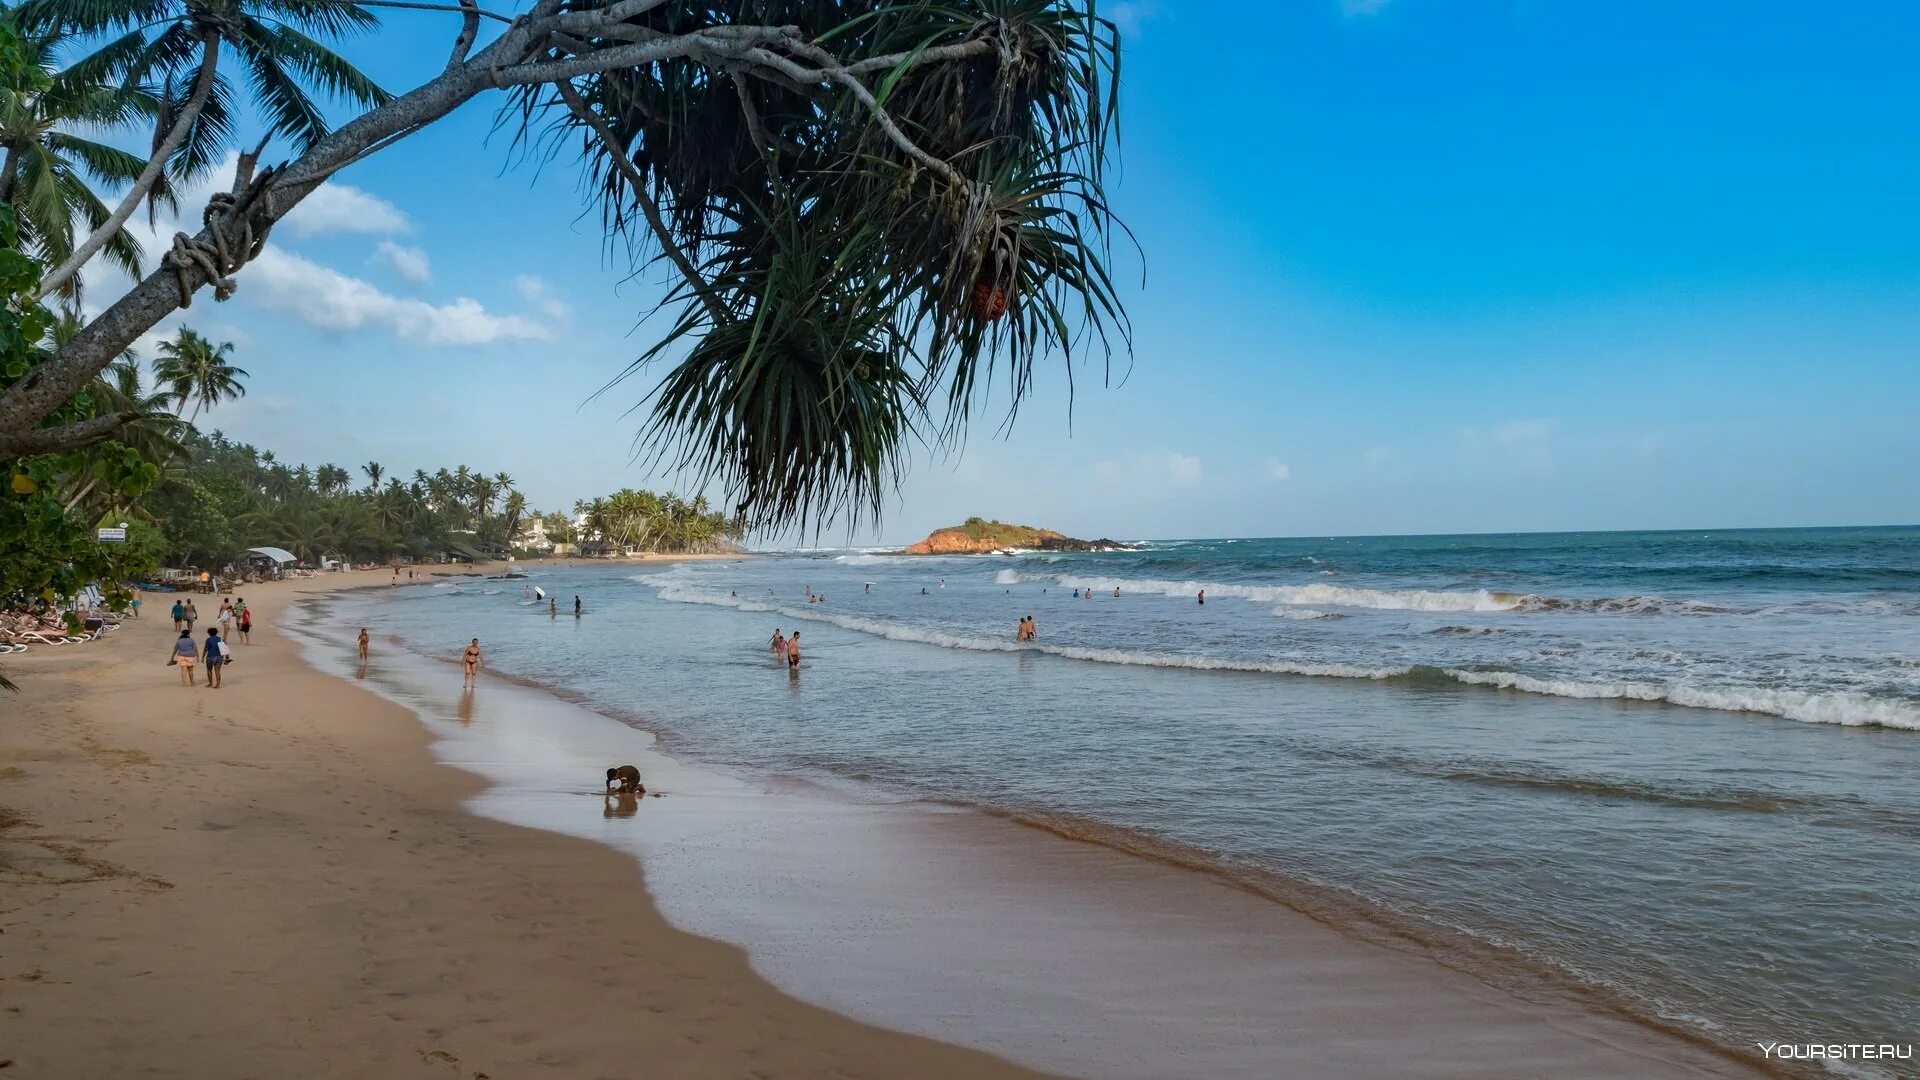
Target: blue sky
{"x": 1411, "y": 266}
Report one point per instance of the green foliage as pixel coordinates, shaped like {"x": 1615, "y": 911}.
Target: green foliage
{"x": 850, "y": 297}
{"x": 1000, "y": 533}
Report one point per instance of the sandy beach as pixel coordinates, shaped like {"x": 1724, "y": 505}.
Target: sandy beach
{"x": 276, "y": 879}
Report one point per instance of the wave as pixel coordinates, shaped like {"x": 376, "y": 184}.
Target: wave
{"x": 1352, "y": 596}
{"x": 1834, "y": 707}
{"x": 1332, "y": 595}
{"x": 1305, "y": 614}
{"x": 1840, "y": 708}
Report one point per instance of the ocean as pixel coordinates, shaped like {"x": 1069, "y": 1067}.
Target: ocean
{"x": 1677, "y": 771}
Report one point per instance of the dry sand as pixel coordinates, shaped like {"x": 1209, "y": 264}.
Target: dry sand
{"x": 276, "y": 879}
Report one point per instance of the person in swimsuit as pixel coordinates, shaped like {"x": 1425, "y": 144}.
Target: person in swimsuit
{"x": 777, "y": 644}
{"x": 363, "y": 643}
{"x": 553, "y": 608}
{"x": 215, "y": 652}
{"x": 793, "y": 652}
{"x": 185, "y": 653}
{"x": 1203, "y": 597}
{"x": 470, "y": 662}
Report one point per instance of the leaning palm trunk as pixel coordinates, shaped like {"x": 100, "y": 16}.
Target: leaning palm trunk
{"x": 143, "y": 186}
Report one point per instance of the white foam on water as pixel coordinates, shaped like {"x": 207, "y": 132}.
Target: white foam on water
{"x": 1849, "y": 710}
{"x": 1317, "y": 594}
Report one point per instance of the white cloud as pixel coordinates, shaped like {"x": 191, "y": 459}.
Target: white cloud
{"x": 536, "y": 293}
{"x": 326, "y": 298}
{"x": 1184, "y": 468}
{"x": 340, "y": 208}
{"x": 1352, "y": 8}
{"x": 1522, "y": 431}
{"x": 1129, "y": 14}
{"x": 1274, "y": 469}
{"x": 1157, "y": 470}
{"x": 410, "y": 263}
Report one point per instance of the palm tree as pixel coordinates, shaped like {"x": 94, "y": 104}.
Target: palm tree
{"x": 195, "y": 369}
{"x": 49, "y": 173}
{"x": 270, "y": 42}
{"x": 374, "y": 473}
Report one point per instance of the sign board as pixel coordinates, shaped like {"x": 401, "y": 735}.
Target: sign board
{"x": 113, "y": 536}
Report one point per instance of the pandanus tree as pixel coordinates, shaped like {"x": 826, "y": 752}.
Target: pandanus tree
{"x": 874, "y": 212}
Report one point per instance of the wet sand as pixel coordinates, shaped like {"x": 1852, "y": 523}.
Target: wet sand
{"x": 277, "y": 878}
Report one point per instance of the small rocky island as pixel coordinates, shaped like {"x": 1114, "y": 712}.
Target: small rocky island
{"x": 978, "y": 536}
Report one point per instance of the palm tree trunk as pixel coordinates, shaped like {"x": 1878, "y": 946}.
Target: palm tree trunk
{"x": 8, "y": 172}
{"x": 202, "y": 88}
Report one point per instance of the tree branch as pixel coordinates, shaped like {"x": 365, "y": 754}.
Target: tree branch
{"x": 859, "y": 90}
{"x": 469, "y": 29}
{"x": 638, "y": 182}
{"x": 202, "y": 88}
{"x": 68, "y": 437}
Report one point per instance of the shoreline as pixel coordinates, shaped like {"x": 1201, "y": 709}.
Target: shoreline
{"x": 278, "y": 878}
{"x": 1512, "y": 1007}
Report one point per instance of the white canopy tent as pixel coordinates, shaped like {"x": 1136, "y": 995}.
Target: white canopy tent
{"x": 279, "y": 556}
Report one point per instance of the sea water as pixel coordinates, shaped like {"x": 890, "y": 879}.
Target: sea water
{"x": 1681, "y": 770}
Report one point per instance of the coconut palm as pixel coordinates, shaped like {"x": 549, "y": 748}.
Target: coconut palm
{"x": 195, "y": 370}
{"x": 176, "y": 46}
{"x": 374, "y": 472}
{"x": 48, "y": 172}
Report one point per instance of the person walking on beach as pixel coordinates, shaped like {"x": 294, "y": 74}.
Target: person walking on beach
{"x": 363, "y": 644}
{"x": 179, "y": 614}
{"x": 245, "y": 623}
{"x": 136, "y": 603}
{"x": 192, "y": 616}
{"x": 215, "y": 653}
{"x": 184, "y": 655}
{"x": 225, "y": 615}
{"x": 471, "y": 662}
{"x": 793, "y": 652}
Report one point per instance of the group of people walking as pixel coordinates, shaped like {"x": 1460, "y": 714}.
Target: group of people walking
{"x": 214, "y": 653}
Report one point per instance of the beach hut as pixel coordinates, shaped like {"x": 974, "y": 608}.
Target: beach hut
{"x": 271, "y": 557}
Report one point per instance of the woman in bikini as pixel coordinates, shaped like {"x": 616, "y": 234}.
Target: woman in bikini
{"x": 470, "y": 662}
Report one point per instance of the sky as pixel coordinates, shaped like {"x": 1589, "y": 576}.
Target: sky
{"x": 1409, "y": 266}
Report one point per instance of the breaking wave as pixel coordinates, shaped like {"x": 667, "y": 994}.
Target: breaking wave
{"x": 1841, "y": 708}
{"x": 1351, "y": 596}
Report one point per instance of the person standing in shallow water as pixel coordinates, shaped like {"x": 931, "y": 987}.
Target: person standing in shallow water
{"x": 470, "y": 662}
{"x": 576, "y": 607}
{"x": 553, "y": 608}
{"x": 363, "y": 643}
{"x": 793, "y": 652}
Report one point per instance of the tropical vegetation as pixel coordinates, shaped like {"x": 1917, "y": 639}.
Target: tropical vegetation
{"x": 875, "y": 210}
